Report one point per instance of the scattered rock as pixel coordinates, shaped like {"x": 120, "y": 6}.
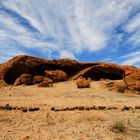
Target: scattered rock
{"x": 81, "y": 108}
{"x": 82, "y": 83}
{"x": 33, "y": 109}
{"x": 56, "y": 75}
{"x": 26, "y": 79}
{"x": 126, "y": 108}
{"x": 17, "y": 82}
{"x": 111, "y": 107}
{"x": 44, "y": 84}
{"x": 8, "y": 107}
{"x": 38, "y": 79}
{"x": 101, "y": 107}
{"x": 24, "y": 109}
{"x": 137, "y": 107}
{"x": 46, "y": 79}
{"x": 52, "y": 108}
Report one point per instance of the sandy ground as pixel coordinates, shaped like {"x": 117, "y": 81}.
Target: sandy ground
{"x": 67, "y": 125}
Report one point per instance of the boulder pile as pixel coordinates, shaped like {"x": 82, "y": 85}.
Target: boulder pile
{"x": 31, "y": 70}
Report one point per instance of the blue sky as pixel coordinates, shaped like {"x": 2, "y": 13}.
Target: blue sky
{"x": 86, "y": 30}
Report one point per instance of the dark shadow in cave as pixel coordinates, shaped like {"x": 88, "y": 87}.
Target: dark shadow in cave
{"x": 14, "y": 72}
{"x": 97, "y": 75}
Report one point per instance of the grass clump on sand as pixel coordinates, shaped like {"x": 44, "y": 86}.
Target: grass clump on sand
{"x": 119, "y": 126}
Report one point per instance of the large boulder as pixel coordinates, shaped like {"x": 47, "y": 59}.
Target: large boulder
{"x": 17, "y": 82}
{"x": 24, "y": 79}
{"x": 44, "y": 84}
{"x": 38, "y": 79}
{"x": 82, "y": 83}
{"x": 56, "y": 75}
{"x": 48, "y": 80}
{"x": 132, "y": 77}
{"x": 102, "y": 71}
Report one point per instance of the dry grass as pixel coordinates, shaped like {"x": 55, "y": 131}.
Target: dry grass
{"x": 119, "y": 126}
{"x": 67, "y": 125}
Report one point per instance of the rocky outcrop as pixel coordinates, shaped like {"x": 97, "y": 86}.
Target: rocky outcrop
{"x": 82, "y": 83}
{"x": 62, "y": 70}
{"x": 132, "y": 77}
{"x": 38, "y": 79}
{"x": 14, "y": 68}
{"x": 56, "y": 75}
{"x": 24, "y": 79}
{"x": 102, "y": 70}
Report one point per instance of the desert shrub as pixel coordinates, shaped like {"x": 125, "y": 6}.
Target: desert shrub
{"x": 119, "y": 126}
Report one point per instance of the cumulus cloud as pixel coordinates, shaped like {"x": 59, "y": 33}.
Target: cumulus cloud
{"x": 66, "y": 28}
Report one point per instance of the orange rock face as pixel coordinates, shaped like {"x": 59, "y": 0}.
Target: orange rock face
{"x": 132, "y": 77}
{"x": 46, "y": 79}
{"x": 62, "y": 70}
{"x": 102, "y": 70}
{"x": 56, "y": 75}
{"x": 38, "y": 79}
{"x": 82, "y": 83}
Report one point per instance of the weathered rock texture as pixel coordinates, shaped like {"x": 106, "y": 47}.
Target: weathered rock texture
{"x": 56, "y": 75}
{"x": 82, "y": 83}
{"x": 38, "y": 79}
{"x": 64, "y": 69}
{"x": 132, "y": 77}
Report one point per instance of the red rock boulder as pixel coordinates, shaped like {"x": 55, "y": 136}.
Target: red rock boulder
{"x": 44, "y": 84}
{"x": 24, "y": 79}
{"x": 82, "y": 83}
{"x": 46, "y": 79}
{"x": 38, "y": 79}
{"x": 132, "y": 78}
{"x": 56, "y": 75}
{"x": 17, "y": 82}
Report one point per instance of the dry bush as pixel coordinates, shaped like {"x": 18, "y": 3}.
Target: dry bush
{"x": 119, "y": 126}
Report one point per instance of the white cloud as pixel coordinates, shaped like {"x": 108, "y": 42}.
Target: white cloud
{"x": 133, "y": 24}
{"x": 66, "y": 54}
{"x": 132, "y": 58}
{"x": 132, "y": 61}
{"x": 132, "y": 54}
{"x": 133, "y": 27}
{"x": 75, "y": 25}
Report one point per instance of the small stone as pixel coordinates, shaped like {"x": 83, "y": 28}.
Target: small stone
{"x": 111, "y": 107}
{"x": 137, "y": 107}
{"x": 81, "y": 108}
{"x": 101, "y": 107}
{"x": 33, "y": 109}
{"x": 126, "y": 108}
{"x": 24, "y": 109}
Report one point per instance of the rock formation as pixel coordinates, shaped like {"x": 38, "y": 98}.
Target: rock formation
{"x": 82, "y": 82}
{"x": 132, "y": 77}
{"x": 56, "y": 75}
{"x": 14, "y": 70}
